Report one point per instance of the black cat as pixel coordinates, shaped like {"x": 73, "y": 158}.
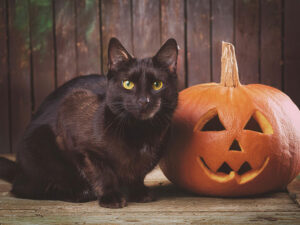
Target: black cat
{"x": 96, "y": 134}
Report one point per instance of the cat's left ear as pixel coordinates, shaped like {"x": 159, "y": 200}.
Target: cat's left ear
{"x": 117, "y": 54}
{"x": 167, "y": 55}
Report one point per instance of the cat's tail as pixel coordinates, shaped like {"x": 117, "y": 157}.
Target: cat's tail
{"x": 8, "y": 169}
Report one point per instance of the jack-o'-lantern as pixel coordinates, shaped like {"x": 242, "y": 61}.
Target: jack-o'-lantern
{"x": 231, "y": 139}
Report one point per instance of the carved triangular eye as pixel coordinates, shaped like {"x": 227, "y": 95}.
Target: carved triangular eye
{"x": 253, "y": 125}
{"x": 209, "y": 122}
{"x": 213, "y": 124}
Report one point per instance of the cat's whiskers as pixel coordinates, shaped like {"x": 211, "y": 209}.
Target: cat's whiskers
{"x": 167, "y": 105}
{"x": 120, "y": 121}
{"x": 113, "y": 122}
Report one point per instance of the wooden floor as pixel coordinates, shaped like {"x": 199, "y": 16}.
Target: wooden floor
{"x": 172, "y": 206}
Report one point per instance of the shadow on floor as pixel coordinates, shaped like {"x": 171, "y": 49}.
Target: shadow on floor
{"x": 170, "y": 191}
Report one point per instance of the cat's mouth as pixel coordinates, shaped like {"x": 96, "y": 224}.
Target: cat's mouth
{"x": 148, "y": 113}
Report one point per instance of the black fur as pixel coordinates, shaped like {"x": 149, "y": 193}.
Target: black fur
{"x": 92, "y": 136}
{"x": 8, "y": 169}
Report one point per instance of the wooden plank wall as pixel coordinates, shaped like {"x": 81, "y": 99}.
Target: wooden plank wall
{"x": 44, "y": 43}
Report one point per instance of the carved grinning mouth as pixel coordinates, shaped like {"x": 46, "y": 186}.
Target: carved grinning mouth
{"x": 225, "y": 173}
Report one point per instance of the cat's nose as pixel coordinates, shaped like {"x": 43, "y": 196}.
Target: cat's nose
{"x": 143, "y": 101}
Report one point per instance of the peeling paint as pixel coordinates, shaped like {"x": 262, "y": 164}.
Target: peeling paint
{"x": 42, "y": 23}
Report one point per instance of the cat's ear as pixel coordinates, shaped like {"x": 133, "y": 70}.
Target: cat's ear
{"x": 167, "y": 55}
{"x": 117, "y": 54}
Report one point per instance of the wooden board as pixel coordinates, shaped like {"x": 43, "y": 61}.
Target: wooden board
{"x": 247, "y": 40}
{"x": 173, "y": 26}
{"x": 88, "y": 37}
{"x": 66, "y": 61}
{"x": 43, "y": 59}
{"x": 198, "y": 42}
{"x": 146, "y": 28}
{"x": 292, "y": 49}
{"x": 222, "y": 30}
{"x": 116, "y": 217}
{"x": 173, "y": 205}
{"x": 116, "y": 22}
{"x": 4, "y": 84}
{"x": 19, "y": 68}
{"x": 271, "y": 49}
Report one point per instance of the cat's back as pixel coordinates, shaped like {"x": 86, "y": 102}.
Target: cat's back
{"x": 47, "y": 112}
{"x": 94, "y": 83}
{"x": 71, "y": 106}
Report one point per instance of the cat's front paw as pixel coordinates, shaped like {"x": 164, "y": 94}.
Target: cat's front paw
{"x": 112, "y": 200}
{"x": 142, "y": 196}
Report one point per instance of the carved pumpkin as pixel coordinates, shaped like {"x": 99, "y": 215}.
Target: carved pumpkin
{"x": 231, "y": 139}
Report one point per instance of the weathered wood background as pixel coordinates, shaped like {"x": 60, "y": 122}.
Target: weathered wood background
{"x": 44, "y": 43}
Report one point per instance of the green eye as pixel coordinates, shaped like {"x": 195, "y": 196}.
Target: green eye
{"x": 127, "y": 84}
{"x": 157, "y": 85}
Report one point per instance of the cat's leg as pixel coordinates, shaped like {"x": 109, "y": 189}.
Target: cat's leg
{"x": 138, "y": 192}
{"x": 45, "y": 172}
{"x": 83, "y": 195}
{"x": 104, "y": 181}
{"x": 25, "y": 187}
{"x": 28, "y": 187}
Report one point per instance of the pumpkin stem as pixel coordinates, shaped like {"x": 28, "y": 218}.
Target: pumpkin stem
{"x": 229, "y": 70}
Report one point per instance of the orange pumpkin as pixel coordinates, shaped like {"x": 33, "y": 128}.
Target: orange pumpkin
{"x": 231, "y": 139}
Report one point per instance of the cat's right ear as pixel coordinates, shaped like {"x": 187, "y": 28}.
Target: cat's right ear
{"x": 167, "y": 55}
{"x": 117, "y": 54}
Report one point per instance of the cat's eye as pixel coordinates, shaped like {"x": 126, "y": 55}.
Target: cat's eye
{"x": 127, "y": 84}
{"x": 157, "y": 85}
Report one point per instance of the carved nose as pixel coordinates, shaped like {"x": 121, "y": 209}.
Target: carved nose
{"x": 143, "y": 101}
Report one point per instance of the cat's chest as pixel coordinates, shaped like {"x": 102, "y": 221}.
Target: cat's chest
{"x": 140, "y": 143}
{"x": 134, "y": 161}
{"x": 147, "y": 152}
{"x": 135, "y": 154}
{"x": 140, "y": 153}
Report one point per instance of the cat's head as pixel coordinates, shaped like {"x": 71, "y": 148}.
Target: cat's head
{"x": 142, "y": 88}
